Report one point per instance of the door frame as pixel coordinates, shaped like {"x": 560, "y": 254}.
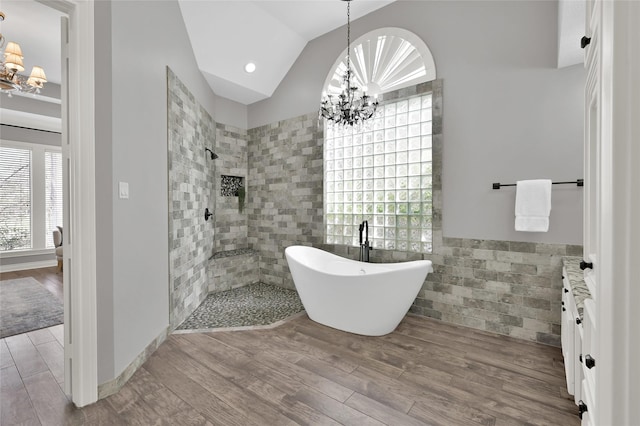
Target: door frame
{"x": 617, "y": 371}
{"x": 80, "y": 344}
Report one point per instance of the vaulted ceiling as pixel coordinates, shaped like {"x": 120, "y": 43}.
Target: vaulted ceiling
{"x": 226, "y": 35}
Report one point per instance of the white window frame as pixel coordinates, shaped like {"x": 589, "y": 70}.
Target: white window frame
{"x": 364, "y": 74}
{"x": 38, "y": 200}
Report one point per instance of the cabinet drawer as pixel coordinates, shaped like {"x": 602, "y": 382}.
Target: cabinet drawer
{"x": 587, "y": 398}
{"x": 567, "y": 334}
{"x": 589, "y": 350}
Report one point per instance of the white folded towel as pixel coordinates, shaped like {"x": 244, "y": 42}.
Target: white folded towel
{"x": 533, "y": 205}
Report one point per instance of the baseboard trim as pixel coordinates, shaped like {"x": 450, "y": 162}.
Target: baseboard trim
{"x": 27, "y": 265}
{"x": 113, "y": 386}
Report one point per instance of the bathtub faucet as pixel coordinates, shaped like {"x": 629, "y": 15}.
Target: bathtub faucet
{"x": 364, "y": 247}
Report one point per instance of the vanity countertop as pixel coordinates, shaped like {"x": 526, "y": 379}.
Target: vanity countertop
{"x": 579, "y": 288}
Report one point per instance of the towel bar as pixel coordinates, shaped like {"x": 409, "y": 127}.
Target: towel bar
{"x": 578, "y": 182}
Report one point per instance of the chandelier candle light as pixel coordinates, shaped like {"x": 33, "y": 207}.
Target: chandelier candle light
{"x": 10, "y": 80}
{"x": 350, "y": 106}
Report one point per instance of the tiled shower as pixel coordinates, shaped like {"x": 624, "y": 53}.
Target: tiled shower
{"x": 191, "y": 189}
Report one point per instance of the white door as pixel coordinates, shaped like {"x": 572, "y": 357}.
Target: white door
{"x": 78, "y": 136}
{"x": 66, "y": 193}
{"x": 78, "y": 117}
{"x": 612, "y": 209}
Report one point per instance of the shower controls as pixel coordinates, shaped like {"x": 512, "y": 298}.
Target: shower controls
{"x": 207, "y": 214}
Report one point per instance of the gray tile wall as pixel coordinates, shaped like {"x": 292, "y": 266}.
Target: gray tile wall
{"x": 231, "y": 225}
{"x": 284, "y": 198}
{"x": 191, "y": 186}
{"x": 507, "y": 287}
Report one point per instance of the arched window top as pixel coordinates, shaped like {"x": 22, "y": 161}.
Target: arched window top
{"x": 383, "y": 60}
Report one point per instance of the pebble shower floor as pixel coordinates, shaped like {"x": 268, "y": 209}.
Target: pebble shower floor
{"x": 255, "y": 304}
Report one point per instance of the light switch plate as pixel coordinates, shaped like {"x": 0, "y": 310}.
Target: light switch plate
{"x": 123, "y": 190}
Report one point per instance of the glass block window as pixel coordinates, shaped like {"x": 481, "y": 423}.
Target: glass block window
{"x": 381, "y": 173}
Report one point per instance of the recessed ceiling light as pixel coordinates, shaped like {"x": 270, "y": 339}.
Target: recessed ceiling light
{"x": 250, "y": 67}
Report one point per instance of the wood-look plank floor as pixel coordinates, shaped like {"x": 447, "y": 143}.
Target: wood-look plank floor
{"x": 425, "y": 372}
{"x": 32, "y": 367}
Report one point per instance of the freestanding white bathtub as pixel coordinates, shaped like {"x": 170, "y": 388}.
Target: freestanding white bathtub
{"x": 363, "y": 298}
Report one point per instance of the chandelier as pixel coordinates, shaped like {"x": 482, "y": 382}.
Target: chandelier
{"x": 10, "y": 80}
{"x": 351, "y": 106}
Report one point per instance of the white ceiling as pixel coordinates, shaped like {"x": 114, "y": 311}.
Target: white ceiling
{"x": 270, "y": 33}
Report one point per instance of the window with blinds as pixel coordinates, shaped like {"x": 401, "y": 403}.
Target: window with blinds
{"x": 15, "y": 199}
{"x": 53, "y": 193}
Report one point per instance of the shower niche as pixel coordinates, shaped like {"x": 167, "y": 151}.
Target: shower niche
{"x": 230, "y": 185}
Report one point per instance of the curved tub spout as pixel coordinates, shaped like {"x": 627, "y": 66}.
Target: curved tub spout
{"x": 369, "y": 299}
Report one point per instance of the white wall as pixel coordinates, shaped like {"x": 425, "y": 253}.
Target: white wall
{"x": 131, "y": 138}
{"x": 231, "y": 113}
{"x": 104, "y": 192}
{"x": 11, "y": 133}
{"x": 509, "y": 113}
{"x": 33, "y": 105}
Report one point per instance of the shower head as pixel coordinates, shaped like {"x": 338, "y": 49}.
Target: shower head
{"x": 213, "y": 154}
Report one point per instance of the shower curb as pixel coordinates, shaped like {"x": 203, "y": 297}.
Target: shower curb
{"x": 242, "y": 328}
